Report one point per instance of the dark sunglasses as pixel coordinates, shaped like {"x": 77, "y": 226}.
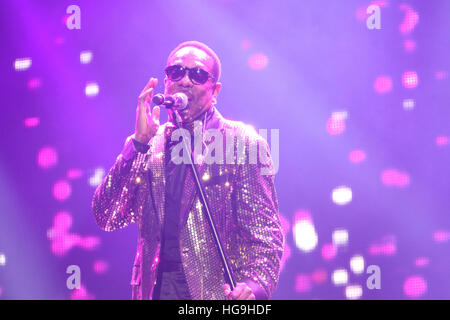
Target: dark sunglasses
{"x": 197, "y": 75}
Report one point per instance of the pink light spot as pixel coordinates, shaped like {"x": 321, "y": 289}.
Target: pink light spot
{"x": 410, "y": 20}
{"x": 409, "y": 45}
{"x": 410, "y": 79}
{"x": 357, "y": 156}
{"x": 319, "y": 276}
{"x": 246, "y": 44}
{"x": 81, "y": 294}
{"x": 89, "y": 242}
{"x": 285, "y": 225}
{"x": 31, "y": 122}
{"x": 47, "y": 157}
{"x": 329, "y": 251}
{"x": 74, "y": 173}
{"x": 62, "y": 241}
{"x": 361, "y": 12}
{"x": 286, "y": 255}
{"x": 60, "y": 40}
{"x": 303, "y": 283}
{"x": 1, "y": 291}
{"x": 335, "y": 125}
{"x": 62, "y": 223}
{"x": 64, "y": 19}
{"x": 415, "y": 287}
{"x": 441, "y": 236}
{"x": 421, "y": 262}
{"x": 62, "y": 190}
{"x": 383, "y": 84}
{"x": 387, "y": 246}
{"x": 258, "y": 61}
{"x": 395, "y": 178}
{"x": 100, "y": 266}
{"x": 302, "y": 215}
{"x": 442, "y": 141}
{"x": 61, "y": 245}
{"x": 34, "y": 83}
{"x": 441, "y": 74}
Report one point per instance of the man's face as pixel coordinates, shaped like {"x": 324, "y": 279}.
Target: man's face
{"x": 200, "y": 96}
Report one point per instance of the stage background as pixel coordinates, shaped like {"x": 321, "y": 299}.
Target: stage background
{"x": 364, "y": 135}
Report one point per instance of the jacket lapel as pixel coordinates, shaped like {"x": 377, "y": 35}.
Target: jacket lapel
{"x": 190, "y": 190}
{"x": 157, "y": 169}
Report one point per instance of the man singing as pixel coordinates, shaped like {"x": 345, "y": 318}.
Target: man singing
{"x": 177, "y": 255}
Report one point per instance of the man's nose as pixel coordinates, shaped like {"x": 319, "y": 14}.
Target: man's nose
{"x": 185, "y": 81}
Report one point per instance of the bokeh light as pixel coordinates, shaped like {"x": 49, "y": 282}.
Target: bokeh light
{"x": 47, "y": 157}
{"x": 442, "y": 141}
{"x": 81, "y": 294}
{"x": 410, "y": 79}
{"x": 96, "y": 178}
{"x": 340, "y": 237}
{"x": 340, "y": 277}
{"x": 353, "y": 292}
{"x": 85, "y": 57}
{"x": 34, "y": 83}
{"x": 258, "y": 61}
{"x": 357, "y": 156}
{"x": 2, "y": 259}
{"x": 303, "y": 283}
{"x": 383, "y": 84}
{"x": 31, "y": 122}
{"x": 22, "y": 64}
{"x": 342, "y": 195}
{"x": 319, "y": 276}
{"x": 421, "y": 262}
{"x": 410, "y": 19}
{"x": 100, "y": 266}
{"x": 329, "y": 251}
{"x": 395, "y": 178}
{"x": 304, "y": 232}
{"x": 336, "y": 123}
{"x": 357, "y": 264}
{"x": 91, "y": 89}
{"x": 409, "y": 104}
{"x": 62, "y": 190}
{"x": 415, "y": 287}
{"x": 387, "y": 246}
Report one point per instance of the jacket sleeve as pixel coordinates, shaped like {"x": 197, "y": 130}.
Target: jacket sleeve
{"x": 259, "y": 224}
{"x": 119, "y": 200}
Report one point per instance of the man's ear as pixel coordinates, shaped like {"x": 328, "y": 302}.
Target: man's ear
{"x": 217, "y": 88}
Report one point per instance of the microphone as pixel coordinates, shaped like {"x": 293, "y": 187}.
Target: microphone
{"x": 178, "y": 100}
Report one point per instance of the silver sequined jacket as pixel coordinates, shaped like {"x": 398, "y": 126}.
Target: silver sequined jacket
{"x": 243, "y": 204}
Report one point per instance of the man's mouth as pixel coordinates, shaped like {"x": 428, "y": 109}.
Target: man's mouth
{"x": 188, "y": 95}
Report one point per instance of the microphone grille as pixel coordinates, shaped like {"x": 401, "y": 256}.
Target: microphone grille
{"x": 158, "y": 99}
{"x": 181, "y": 100}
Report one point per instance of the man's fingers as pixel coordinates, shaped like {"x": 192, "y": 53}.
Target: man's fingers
{"x": 147, "y": 93}
{"x": 245, "y": 293}
{"x": 226, "y": 290}
{"x": 155, "y": 114}
{"x": 237, "y": 292}
{"x": 150, "y": 84}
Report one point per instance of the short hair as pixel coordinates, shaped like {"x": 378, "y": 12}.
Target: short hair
{"x": 216, "y": 71}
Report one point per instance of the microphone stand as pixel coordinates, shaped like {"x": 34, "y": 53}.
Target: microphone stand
{"x": 228, "y": 274}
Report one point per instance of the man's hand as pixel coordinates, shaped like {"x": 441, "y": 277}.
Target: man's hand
{"x": 241, "y": 292}
{"x": 146, "y": 124}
